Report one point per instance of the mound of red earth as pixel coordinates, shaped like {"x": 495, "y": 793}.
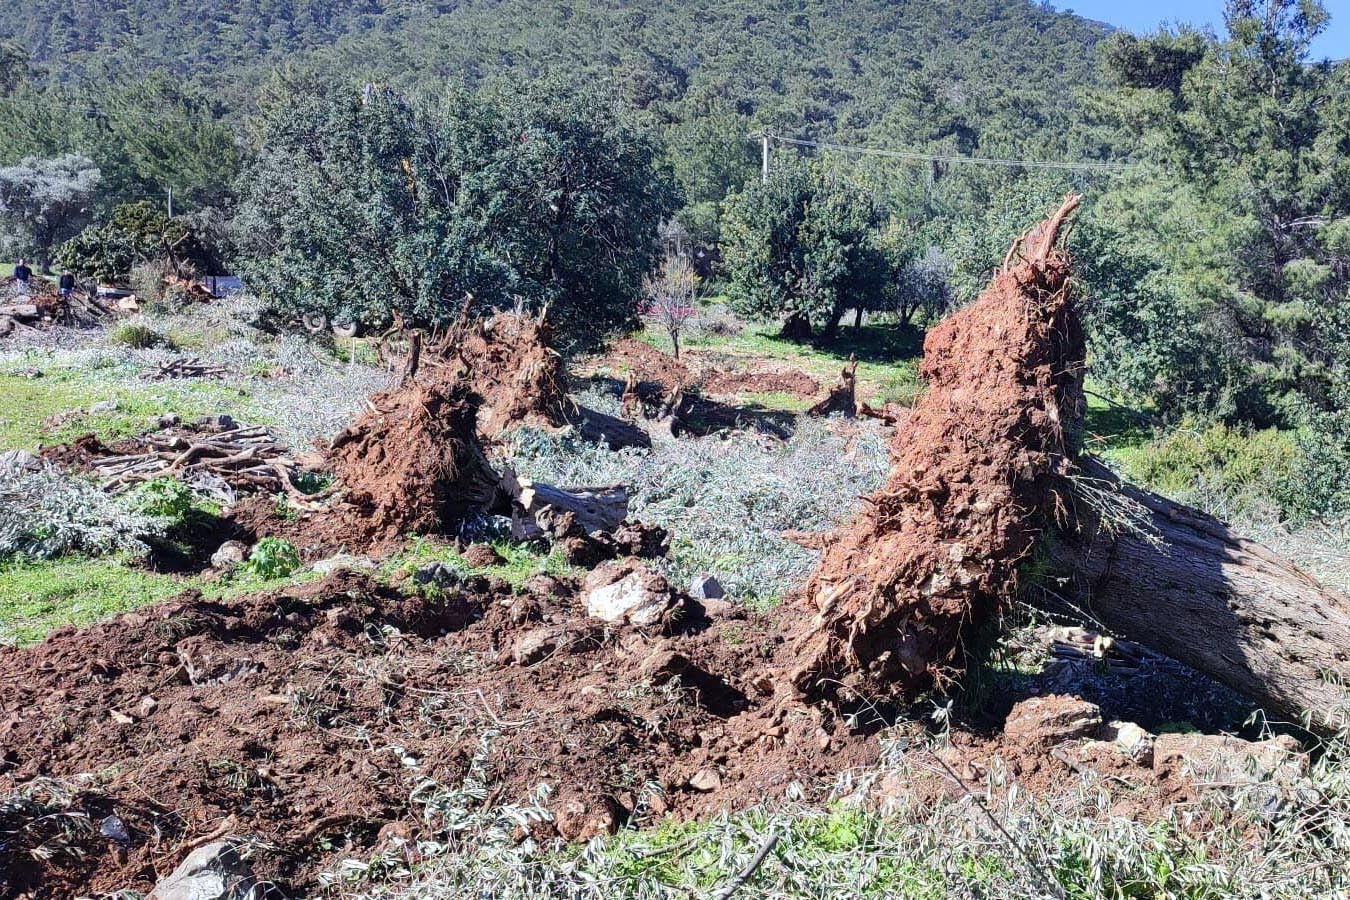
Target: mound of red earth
{"x": 902, "y": 589}
{"x": 798, "y": 384}
{"x": 313, "y": 713}
{"x": 411, "y": 464}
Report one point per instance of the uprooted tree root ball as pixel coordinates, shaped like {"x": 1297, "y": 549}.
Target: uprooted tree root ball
{"x": 510, "y": 363}
{"x": 413, "y": 464}
{"x": 936, "y": 552}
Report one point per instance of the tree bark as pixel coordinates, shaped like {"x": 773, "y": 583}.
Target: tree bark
{"x": 597, "y": 510}
{"x": 1184, "y": 584}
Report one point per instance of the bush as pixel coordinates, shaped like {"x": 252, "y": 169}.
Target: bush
{"x": 164, "y": 498}
{"x": 1248, "y": 469}
{"x": 136, "y": 336}
{"x": 272, "y": 558}
{"x": 45, "y": 514}
{"x": 135, "y": 234}
{"x": 147, "y": 281}
{"x": 361, "y": 209}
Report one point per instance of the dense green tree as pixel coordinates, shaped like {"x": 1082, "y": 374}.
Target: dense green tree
{"x": 138, "y": 233}
{"x": 45, "y": 201}
{"x": 801, "y": 249}
{"x": 362, "y": 206}
{"x": 1247, "y": 154}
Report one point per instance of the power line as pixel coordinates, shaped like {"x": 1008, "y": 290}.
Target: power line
{"x": 1086, "y": 165}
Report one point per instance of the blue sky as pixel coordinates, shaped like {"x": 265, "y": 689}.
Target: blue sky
{"x": 1146, "y": 15}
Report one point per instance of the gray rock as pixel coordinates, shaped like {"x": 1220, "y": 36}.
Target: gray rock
{"x": 344, "y": 561}
{"x": 16, "y": 461}
{"x": 1130, "y": 739}
{"x": 103, "y": 407}
{"x": 706, "y": 780}
{"x": 438, "y": 575}
{"x": 218, "y": 423}
{"x": 215, "y": 871}
{"x": 229, "y": 554}
{"x": 706, "y": 587}
{"x": 168, "y": 420}
{"x": 537, "y": 644}
{"x": 1219, "y": 759}
{"x": 1044, "y": 722}
{"x": 627, "y": 592}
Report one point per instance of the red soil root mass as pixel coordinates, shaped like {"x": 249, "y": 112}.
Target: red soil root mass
{"x": 935, "y": 553}
{"x": 412, "y": 464}
{"x": 510, "y": 363}
{"x": 307, "y": 717}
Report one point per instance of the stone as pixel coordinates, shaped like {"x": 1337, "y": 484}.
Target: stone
{"x": 536, "y": 644}
{"x": 580, "y": 819}
{"x": 628, "y": 592}
{"x": 218, "y": 423}
{"x": 1045, "y": 722}
{"x": 16, "y": 461}
{"x": 229, "y": 554}
{"x": 215, "y": 871}
{"x": 662, "y": 665}
{"x": 439, "y": 575}
{"x": 705, "y": 781}
{"x": 344, "y": 561}
{"x": 1221, "y": 759}
{"x": 706, "y": 587}
{"x": 1129, "y": 739}
{"x": 168, "y": 420}
{"x": 147, "y": 705}
{"x": 103, "y": 408}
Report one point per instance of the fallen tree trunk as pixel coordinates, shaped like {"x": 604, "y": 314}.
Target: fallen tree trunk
{"x": 1184, "y": 584}
{"x": 536, "y": 507}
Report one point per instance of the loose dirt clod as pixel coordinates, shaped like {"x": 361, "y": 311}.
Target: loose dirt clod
{"x": 901, "y": 590}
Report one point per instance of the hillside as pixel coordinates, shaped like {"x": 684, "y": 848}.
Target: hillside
{"x": 810, "y": 66}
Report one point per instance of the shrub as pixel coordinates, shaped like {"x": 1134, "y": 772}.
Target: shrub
{"x": 165, "y": 498}
{"x": 137, "y": 336}
{"x": 272, "y": 558}
{"x": 46, "y": 514}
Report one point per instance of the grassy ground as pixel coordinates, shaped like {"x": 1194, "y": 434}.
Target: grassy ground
{"x": 29, "y": 402}
{"x": 887, "y": 355}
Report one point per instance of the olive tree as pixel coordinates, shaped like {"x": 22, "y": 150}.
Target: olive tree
{"x": 43, "y": 202}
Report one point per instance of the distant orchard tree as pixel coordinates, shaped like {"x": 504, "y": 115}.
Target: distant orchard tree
{"x": 672, "y": 297}
{"x": 362, "y": 206}
{"x": 924, "y": 284}
{"x": 43, "y": 202}
{"x": 802, "y": 248}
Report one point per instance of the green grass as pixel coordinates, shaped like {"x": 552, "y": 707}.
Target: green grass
{"x": 519, "y": 565}
{"x": 888, "y": 356}
{"x": 31, "y": 401}
{"x": 37, "y": 597}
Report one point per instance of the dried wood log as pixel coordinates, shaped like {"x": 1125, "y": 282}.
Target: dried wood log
{"x": 19, "y": 310}
{"x": 184, "y": 368}
{"x": 536, "y": 505}
{"x": 599, "y": 428}
{"x": 1184, "y": 584}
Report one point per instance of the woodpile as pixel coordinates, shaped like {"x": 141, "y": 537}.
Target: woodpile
{"x": 225, "y": 464}
{"x": 184, "y": 367}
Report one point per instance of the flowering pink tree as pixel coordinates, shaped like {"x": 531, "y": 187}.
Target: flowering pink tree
{"x": 671, "y": 297}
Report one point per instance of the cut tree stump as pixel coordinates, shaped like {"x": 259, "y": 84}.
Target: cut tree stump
{"x": 1184, "y": 584}
{"x": 842, "y": 398}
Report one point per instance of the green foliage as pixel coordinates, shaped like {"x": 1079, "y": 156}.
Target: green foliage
{"x": 363, "y": 207}
{"x": 1247, "y": 468}
{"x": 135, "y": 234}
{"x": 45, "y": 201}
{"x": 164, "y": 498}
{"x": 803, "y": 247}
{"x": 1239, "y": 232}
{"x": 38, "y": 596}
{"x": 136, "y": 336}
{"x": 272, "y": 558}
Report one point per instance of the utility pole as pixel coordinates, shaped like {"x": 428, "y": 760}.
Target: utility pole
{"x": 170, "y": 203}
{"x": 764, "y": 157}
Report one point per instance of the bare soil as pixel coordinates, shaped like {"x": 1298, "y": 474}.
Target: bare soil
{"x": 313, "y": 712}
